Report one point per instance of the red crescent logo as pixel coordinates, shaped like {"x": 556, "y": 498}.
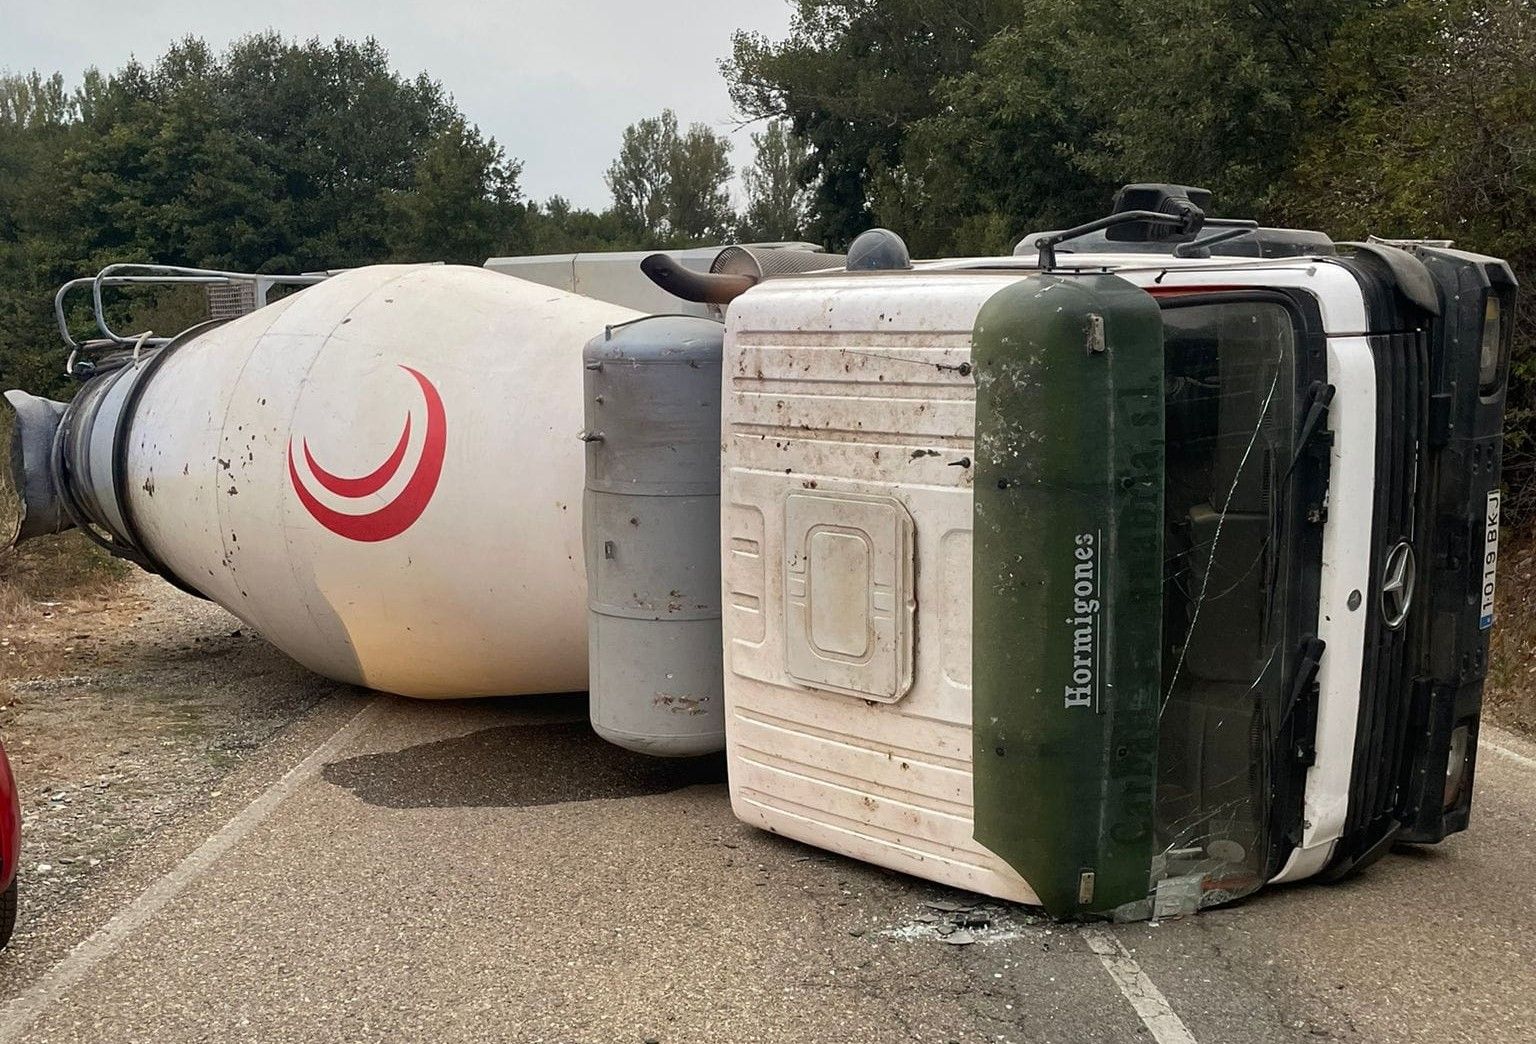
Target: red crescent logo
{"x": 400, "y": 513}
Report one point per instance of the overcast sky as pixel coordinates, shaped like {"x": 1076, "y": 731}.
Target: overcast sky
{"x": 555, "y": 82}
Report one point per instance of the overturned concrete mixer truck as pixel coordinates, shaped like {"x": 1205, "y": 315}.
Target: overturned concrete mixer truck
{"x": 1122, "y": 575}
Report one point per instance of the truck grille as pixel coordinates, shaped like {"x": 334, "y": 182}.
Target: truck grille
{"x": 1386, "y": 690}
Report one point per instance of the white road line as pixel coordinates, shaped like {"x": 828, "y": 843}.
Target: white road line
{"x": 1150, "y": 1004}
{"x": 110, "y": 937}
{"x": 1518, "y": 758}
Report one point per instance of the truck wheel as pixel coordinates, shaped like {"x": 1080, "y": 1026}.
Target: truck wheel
{"x": 8, "y": 912}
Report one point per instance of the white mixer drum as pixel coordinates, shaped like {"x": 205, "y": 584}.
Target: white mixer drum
{"x": 381, "y": 474}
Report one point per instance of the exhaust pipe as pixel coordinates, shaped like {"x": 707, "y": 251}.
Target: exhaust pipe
{"x": 735, "y": 270}
{"x": 700, "y": 287}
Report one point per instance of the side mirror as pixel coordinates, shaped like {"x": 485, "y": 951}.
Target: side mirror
{"x": 1182, "y": 202}
{"x": 1149, "y": 214}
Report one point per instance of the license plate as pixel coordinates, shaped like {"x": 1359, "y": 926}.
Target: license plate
{"x": 1490, "y": 558}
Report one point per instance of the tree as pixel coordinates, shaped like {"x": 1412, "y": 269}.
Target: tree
{"x": 557, "y": 227}
{"x": 698, "y": 197}
{"x": 1425, "y": 124}
{"x": 32, "y": 100}
{"x": 253, "y": 160}
{"x": 778, "y": 200}
{"x": 1075, "y": 97}
{"x": 972, "y": 122}
{"x": 640, "y": 176}
{"x": 35, "y": 112}
{"x": 273, "y": 155}
{"x": 462, "y": 204}
{"x": 670, "y": 187}
{"x": 851, "y": 77}
{"x": 37, "y": 127}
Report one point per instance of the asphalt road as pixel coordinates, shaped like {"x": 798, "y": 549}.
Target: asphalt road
{"x": 488, "y": 871}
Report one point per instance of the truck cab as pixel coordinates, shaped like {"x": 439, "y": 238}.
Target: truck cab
{"x": 1125, "y": 575}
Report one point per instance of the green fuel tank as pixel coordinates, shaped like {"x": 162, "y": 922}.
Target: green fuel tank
{"x": 1067, "y": 571}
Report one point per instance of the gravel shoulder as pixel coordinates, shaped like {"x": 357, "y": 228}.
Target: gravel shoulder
{"x": 152, "y": 698}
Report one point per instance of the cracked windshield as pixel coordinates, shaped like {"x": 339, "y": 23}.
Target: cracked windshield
{"x": 1228, "y": 578}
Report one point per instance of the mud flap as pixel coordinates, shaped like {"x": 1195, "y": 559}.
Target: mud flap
{"x": 1067, "y": 572}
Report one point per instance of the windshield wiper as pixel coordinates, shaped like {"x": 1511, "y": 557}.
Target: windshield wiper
{"x": 1303, "y": 695}
{"x": 1319, "y": 397}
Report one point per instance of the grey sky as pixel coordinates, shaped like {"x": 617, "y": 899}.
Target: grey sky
{"x": 555, "y": 82}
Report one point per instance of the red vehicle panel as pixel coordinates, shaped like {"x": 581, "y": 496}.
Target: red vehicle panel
{"x": 10, "y": 847}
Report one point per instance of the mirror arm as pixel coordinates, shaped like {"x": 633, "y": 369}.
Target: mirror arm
{"x": 1048, "y": 244}
{"x": 1231, "y": 228}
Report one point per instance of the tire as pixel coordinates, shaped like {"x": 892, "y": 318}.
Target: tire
{"x": 8, "y": 913}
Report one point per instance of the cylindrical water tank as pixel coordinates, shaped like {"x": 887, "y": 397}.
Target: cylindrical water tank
{"x": 652, "y": 520}
{"x": 379, "y": 474}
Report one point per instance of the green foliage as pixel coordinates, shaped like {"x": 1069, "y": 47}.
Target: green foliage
{"x": 961, "y": 125}
{"x": 556, "y": 227}
{"x": 33, "y": 101}
{"x": 778, "y": 205}
{"x": 283, "y": 157}
{"x": 669, "y": 185}
{"x": 1073, "y": 99}
{"x": 1425, "y": 125}
{"x": 852, "y": 76}
{"x": 463, "y": 200}
{"x": 271, "y": 156}
{"x": 638, "y": 178}
{"x": 698, "y": 200}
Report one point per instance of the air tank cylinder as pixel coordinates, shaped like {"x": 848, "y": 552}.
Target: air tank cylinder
{"x": 652, "y": 535}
